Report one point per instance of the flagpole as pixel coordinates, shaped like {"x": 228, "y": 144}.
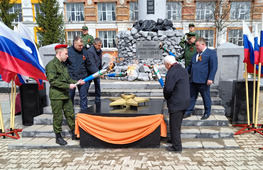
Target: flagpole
{"x": 255, "y": 72}
{"x": 247, "y": 98}
{"x": 14, "y": 105}
{"x": 254, "y": 94}
{"x": 258, "y": 89}
{"x": 2, "y": 128}
{"x": 259, "y": 76}
{"x": 11, "y": 106}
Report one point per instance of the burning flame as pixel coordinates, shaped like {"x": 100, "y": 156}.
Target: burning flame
{"x": 131, "y": 69}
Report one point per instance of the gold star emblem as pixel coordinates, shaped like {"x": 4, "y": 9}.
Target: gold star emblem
{"x": 127, "y": 100}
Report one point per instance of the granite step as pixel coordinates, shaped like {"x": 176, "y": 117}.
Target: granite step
{"x": 217, "y": 108}
{"x": 187, "y": 131}
{"x": 44, "y": 131}
{"x": 118, "y": 84}
{"x": 195, "y": 120}
{"x": 44, "y": 143}
{"x": 199, "y": 110}
{"x": 213, "y": 120}
{"x": 138, "y": 92}
{"x": 211, "y": 132}
{"x": 199, "y": 101}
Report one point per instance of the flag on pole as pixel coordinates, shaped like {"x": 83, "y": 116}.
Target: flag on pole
{"x": 251, "y": 49}
{"x": 256, "y": 46}
{"x": 28, "y": 38}
{"x": 248, "y": 41}
{"x": 19, "y": 56}
{"x": 261, "y": 47}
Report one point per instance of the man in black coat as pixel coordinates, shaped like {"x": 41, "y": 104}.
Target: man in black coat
{"x": 94, "y": 63}
{"x": 77, "y": 69}
{"x": 177, "y": 93}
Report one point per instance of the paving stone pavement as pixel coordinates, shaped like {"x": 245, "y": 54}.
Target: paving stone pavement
{"x": 248, "y": 156}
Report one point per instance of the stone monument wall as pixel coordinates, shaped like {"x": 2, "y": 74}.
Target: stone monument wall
{"x": 130, "y": 41}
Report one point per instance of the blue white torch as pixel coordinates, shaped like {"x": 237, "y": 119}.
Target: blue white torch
{"x": 116, "y": 75}
{"x": 98, "y": 73}
{"x": 160, "y": 79}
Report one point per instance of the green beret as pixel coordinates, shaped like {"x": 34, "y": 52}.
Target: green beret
{"x": 85, "y": 28}
{"x": 191, "y": 25}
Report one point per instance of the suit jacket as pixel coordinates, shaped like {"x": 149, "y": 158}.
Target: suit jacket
{"x": 76, "y": 63}
{"x": 94, "y": 60}
{"x": 201, "y": 71}
{"x": 176, "y": 90}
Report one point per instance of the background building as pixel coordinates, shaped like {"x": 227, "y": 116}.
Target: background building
{"x": 216, "y": 20}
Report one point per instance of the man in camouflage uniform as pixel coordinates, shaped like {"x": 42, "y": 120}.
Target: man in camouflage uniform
{"x": 192, "y": 31}
{"x": 88, "y": 39}
{"x": 60, "y": 82}
{"x": 189, "y": 49}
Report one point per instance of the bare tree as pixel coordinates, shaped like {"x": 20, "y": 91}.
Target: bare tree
{"x": 221, "y": 18}
{"x": 224, "y": 15}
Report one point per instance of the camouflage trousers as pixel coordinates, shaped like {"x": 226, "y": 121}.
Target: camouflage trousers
{"x": 58, "y": 108}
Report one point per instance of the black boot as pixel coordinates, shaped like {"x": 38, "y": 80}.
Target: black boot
{"x": 74, "y": 137}
{"x": 60, "y": 140}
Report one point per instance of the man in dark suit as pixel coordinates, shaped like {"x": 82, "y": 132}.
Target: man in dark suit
{"x": 176, "y": 92}
{"x": 94, "y": 63}
{"x": 202, "y": 70}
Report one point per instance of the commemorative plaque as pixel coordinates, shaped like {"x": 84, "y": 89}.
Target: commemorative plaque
{"x": 148, "y": 49}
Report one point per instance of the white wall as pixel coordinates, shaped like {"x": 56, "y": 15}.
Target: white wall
{"x": 159, "y": 10}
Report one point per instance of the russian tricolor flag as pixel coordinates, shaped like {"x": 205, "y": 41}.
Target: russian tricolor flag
{"x": 19, "y": 56}
{"x": 251, "y": 49}
{"x": 261, "y": 47}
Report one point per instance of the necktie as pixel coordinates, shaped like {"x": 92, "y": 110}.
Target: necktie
{"x": 199, "y": 57}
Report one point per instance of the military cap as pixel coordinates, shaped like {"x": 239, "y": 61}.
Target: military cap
{"x": 85, "y": 28}
{"x": 190, "y": 35}
{"x": 61, "y": 46}
{"x": 191, "y": 25}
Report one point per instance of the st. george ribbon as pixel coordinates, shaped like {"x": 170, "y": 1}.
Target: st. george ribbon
{"x": 98, "y": 73}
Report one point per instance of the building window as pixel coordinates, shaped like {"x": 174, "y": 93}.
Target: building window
{"x": 37, "y": 8}
{"x": 16, "y": 7}
{"x": 75, "y": 12}
{"x": 108, "y": 39}
{"x": 133, "y": 11}
{"x": 208, "y": 35}
{"x": 173, "y": 10}
{"x": 71, "y": 35}
{"x": 205, "y": 10}
{"x": 106, "y": 12}
{"x": 240, "y": 10}
{"x": 235, "y": 36}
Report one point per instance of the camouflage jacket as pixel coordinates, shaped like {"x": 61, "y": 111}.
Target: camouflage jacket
{"x": 189, "y": 51}
{"x": 87, "y": 39}
{"x": 59, "y": 79}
